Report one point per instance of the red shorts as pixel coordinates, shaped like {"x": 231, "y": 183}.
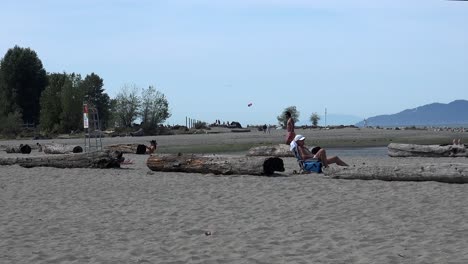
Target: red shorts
{"x": 290, "y": 137}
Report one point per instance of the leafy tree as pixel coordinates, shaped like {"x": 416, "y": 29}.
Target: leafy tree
{"x": 22, "y": 80}
{"x": 10, "y": 125}
{"x": 282, "y": 120}
{"x": 154, "y": 108}
{"x": 51, "y": 104}
{"x": 314, "y": 118}
{"x": 92, "y": 87}
{"x": 71, "y": 100}
{"x": 127, "y": 105}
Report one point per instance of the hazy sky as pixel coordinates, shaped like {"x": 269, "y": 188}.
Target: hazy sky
{"x": 213, "y": 57}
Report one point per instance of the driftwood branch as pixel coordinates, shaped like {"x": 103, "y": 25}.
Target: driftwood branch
{"x": 280, "y": 150}
{"x": 226, "y": 165}
{"x": 441, "y": 172}
{"x": 102, "y": 159}
{"x": 413, "y": 150}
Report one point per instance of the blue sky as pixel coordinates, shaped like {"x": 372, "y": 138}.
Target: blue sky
{"x": 211, "y": 58}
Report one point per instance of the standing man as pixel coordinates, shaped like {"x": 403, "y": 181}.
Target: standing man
{"x": 289, "y": 128}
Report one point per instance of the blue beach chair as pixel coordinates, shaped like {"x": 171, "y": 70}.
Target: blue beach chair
{"x": 310, "y": 165}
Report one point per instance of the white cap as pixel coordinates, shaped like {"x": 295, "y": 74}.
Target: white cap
{"x": 299, "y": 137}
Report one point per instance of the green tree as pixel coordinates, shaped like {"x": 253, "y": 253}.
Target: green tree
{"x": 22, "y": 80}
{"x": 93, "y": 89}
{"x": 282, "y": 120}
{"x": 154, "y": 108}
{"x": 71, "y": 100}
{"x": 51, "y": 103}
{"x": 127, "y": 105}
{"x": 314, "y": 118}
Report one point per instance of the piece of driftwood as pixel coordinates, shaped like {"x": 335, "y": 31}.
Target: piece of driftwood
{"x": 240, "y": 130}
{"x": 101, "y": 159}
{"x": 440, "y": 172}
{"x": 55, "y": 148}
{"x": 24, "y": 149}
{"x": 128, "y": 148}
{"x": 413, "y": 150}
{"x": 280, "y": 150}
{"x": 138, "y": 133}
{"x": 226, "y": 165}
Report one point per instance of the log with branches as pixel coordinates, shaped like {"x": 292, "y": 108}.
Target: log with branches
{"x": 440, "y": 172}
{"x": 413, "y": 150}
{"x": 101, "y": 159}
{"x": 216, "y": 164}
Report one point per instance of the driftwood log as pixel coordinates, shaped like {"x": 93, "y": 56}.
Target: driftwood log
{"x": 101, "y": 159}
{"x": 226, "y": 165}
{"x": 280, "y": 150}
{"x": 55, "y": 148}
{"x": 127, "y": 148}
{"x": 440, "y": 172}
{"x": 413, "y": 150}
{"x": 24, "y": 149}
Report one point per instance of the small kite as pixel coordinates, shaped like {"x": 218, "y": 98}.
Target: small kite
{"x": 249, "y": 105}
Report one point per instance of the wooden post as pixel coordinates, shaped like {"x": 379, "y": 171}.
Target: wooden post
{"x": 226, "y": 165}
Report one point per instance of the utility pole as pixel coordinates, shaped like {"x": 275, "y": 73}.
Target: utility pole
{"x": 325, "y": 116}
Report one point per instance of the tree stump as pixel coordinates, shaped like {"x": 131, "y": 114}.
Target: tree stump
{"x": 226, "y": 165}
{"x": 101, "y": 159}
{"x": 413, "y": 150}
{"x": 280, "y": 150}
{"x": 440, "y": 172}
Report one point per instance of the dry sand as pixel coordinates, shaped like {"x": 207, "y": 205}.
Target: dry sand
{"x": 134, "y": 215}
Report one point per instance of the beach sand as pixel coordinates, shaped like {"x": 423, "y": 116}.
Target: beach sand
{"x": 134, "y": 215}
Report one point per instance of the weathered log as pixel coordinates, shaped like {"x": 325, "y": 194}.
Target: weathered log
{"x": 440, "y": 172}
{"x": 55, "y": 148}
{"x": 226, "y": 165}
{"x": 24, "y": 149}
{"x": 413, "y": 150}
{"x": 101, "y": 159}
{"x": 127, "y": 148}
{"x": 280, "y": 150}
{"x": 138, "y": 133}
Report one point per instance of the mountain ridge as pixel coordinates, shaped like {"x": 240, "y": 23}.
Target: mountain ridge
{"x": 434, "y": 114}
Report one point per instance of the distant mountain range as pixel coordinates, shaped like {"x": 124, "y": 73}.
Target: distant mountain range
{"x": 436, "y": 114}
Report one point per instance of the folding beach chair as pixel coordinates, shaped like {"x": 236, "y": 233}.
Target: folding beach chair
{"x": 310, "y": 165}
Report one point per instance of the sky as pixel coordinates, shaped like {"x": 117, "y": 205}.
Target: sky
{"x": 352, "y": 59}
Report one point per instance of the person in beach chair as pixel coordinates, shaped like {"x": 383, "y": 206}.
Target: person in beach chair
{"x": 312, "y": 160}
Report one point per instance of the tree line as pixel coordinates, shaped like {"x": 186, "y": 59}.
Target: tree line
{"x": 54, "y": 101}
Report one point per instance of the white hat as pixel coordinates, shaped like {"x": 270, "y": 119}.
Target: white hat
{"x": 299, "y": 137}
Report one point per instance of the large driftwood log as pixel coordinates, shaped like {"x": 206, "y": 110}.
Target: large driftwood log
{"x": 226, "y": 165}
{"x": 127, "y": 148}
{"x": 101, "y": 159}
{"x": 55, "y": 148}
{"x": 413, "y": 150}
{"x": 442, "y": 172}
{"x": 280, "y": 150}
{"x": 24, "y": 149}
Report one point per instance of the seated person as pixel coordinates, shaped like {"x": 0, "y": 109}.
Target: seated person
{"x": 152, "y": 147}
{"x": 319, "y": 154}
